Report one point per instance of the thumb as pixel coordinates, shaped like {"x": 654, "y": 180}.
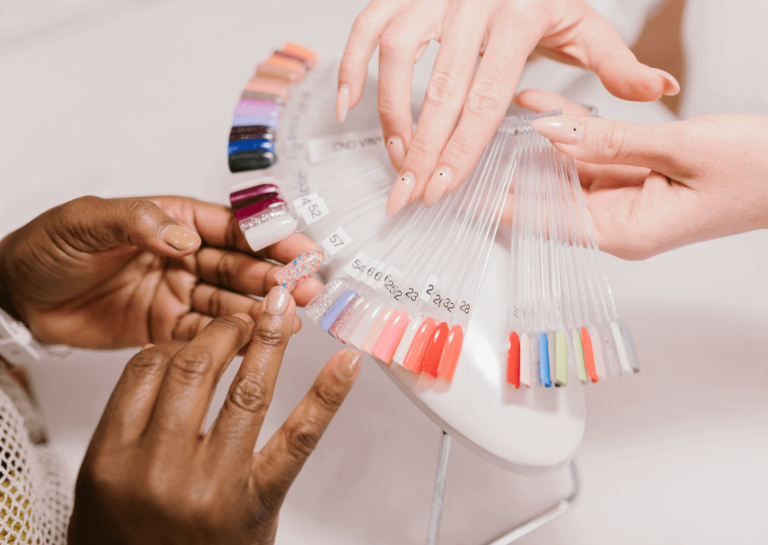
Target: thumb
{"x": 99, "y": 224}
{"x": 604, "y": 53}
{"x": 602, "y": 141}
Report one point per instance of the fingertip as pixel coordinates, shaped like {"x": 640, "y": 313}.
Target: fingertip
{"x": 672, "y": 87}
{"x": 348, "y": 366}
{"x": 342, "y": 103}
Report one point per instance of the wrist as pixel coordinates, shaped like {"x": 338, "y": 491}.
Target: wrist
{"x": 6, "y": 289}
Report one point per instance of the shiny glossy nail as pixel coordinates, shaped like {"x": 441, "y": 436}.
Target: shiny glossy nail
{"x": 366, "y": 323}
{"x": 277, "y": 300}
{"x": 672, "y": 86}
{"x": 396, "y": 151}
{"x": 337, "y": 308}
{"x": 562, "y": 129}
{"x": 180, "y": 238}
{"x": 349, "y": 328}
{"x": 385, "y": 347}
{"x": 401, "y": 193}
{"x": 297, "y": 271}
{"x": 434, "y": 352}
{"x": 451, "y": 353}
{"x": 345, "y": 316}
{"x": 438, "y": 184}
{"x": 525, "y": 358}
{"x": 349, "y": 363}
{"x": 325, "y": 299}
{"x": 589, "y": 358}
{"x": 342, "y": 103}
{"x": 415, "y": 357}
{"x": 513, "y": 360}
{"x": 376, "y": 329}
{"x": 406, "y": 340}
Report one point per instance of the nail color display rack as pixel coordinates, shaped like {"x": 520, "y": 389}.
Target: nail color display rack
{"x": 562, "y": 316}
{"x": 406, "y": 293}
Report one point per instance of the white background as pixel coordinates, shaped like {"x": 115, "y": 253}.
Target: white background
{"x": 123, "y": 98}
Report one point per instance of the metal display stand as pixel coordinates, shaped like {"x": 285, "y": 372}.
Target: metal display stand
{"x": 515, "y": 533}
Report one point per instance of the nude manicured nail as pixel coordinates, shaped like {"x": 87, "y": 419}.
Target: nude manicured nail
{"x": 400, "y": 193}
{"x": 438, "y": 185}
{"x": 349, "y": 363}
{"x": 277, "y": 300}
{"x": 561, "y": 129}
{"x": 342, "y": 103}
{"x": 396, "y": 151}
{"x": 673, "y": 87}
{"x": 180, "y": 238}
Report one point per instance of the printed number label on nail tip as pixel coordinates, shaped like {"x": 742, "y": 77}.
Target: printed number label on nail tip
{"x": 313, "y": 211}
{"x": 430, "y": 289}
{"x": 337, "y": 241}
{"x": 301, "y": 201}
{"x": 357, "y": 266}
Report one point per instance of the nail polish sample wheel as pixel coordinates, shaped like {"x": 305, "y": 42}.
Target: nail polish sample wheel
{"x": 530, "y": 430}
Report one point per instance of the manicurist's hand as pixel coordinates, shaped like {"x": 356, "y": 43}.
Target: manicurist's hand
{"x": 111, "y": 273}
{"x": 153, "y": 475}
{"x": 652, "y": 188}
{"x": 465, "y": 103}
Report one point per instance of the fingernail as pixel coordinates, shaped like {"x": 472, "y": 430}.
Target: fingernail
{"x": 400, "y": 193}
{"x": 147, "y": 346}
{"x": 348, "y": 364}
{"x": 179, "y": 238}
{"x": 342, "y": 103}
{"x": 297, "y": 271}
{"x": 277, "y": 300}
{"x": 396, "y": 151}
{"x": 673, "y": 87}
{"x": 561, "y": 129}
{"x": 437, "y": 185}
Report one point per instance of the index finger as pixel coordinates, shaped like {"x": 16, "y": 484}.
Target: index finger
{"x": 281, "y": 459}
{"x": 192, "y": 375}
{"x": 236, "y": 429}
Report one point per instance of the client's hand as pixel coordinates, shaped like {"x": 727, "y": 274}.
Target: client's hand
{"x": 653, "y": 188}
{"x": 441, "y": 154}
{"x": 153, "y": 475}
{"x": 98, "y": 273}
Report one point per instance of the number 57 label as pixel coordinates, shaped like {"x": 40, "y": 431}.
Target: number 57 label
{"x": 337, "y": 241}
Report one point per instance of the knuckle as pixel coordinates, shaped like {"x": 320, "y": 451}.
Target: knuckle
{"x": 365, "y": 23}
{"x": 327, "y": 395}
{"x": 224, "y": 268}
{"x": 269, "y": 337}
{"x": 140, "y": 210}
{"x": 391, "y": 46}
{"x": 611, "y": 144}
{"x": 248, "y": 393}
{"x": 192, "y": 366}
{"x": 485, "y": 98}
{"x": 302, "y": 439}
{"x": 442, "y": 88}
{"x": 148, "y": 362}
{"x": 229, "y": 326}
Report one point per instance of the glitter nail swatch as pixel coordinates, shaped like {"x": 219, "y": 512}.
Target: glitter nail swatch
{"x": 324, "y": 300}
{"x": 301, "y": 268}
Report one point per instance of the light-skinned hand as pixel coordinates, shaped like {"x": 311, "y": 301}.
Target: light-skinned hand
{"x": 653, "y": 188}
{"x": 111, "y": 273}
{"x": 465, "y": 103}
